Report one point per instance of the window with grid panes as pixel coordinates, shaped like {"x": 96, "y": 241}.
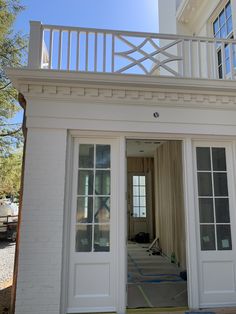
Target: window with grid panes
{"x": 223, "y": 28}
{"x": 93, "y": 199}
{"x": 139, "y": 196}
{"x": 213, "y": 199}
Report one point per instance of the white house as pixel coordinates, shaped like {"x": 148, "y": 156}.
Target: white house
{"x": 95, "y": 101}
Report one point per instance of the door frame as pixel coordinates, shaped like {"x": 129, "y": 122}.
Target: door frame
{"x": 230, "y": 151}
{"x": 121, "y": 217}
{"x": 189, "y": 205}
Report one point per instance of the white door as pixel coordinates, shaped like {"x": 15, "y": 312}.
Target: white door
{"x": 139, "y": 204}
{"x": 93, "y": 229}
{"x": 215, "y": 203}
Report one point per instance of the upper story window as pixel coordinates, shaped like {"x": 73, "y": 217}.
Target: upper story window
{"x": 223, "y": 28}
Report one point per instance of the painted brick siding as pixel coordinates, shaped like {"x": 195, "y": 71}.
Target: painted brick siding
{"x": 40, "y": 259}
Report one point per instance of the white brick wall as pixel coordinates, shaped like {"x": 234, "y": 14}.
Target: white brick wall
{"x": 39, "y": 276}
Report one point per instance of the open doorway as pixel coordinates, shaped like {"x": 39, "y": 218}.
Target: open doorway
{"x": 157, "y": 275}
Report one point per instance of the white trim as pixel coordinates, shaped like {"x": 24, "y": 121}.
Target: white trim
{"x": 122, "y": 229}
{"x": 191, "y": 247}
{"x": 66, "y": 223}
{"x": 92, "y": 310}
{"x": 44, "y": 77}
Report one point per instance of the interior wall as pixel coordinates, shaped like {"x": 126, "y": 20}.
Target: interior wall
{"x": 170, "y": 222}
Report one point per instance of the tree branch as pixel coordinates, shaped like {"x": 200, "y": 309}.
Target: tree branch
{"x": 11, "y": 133}
{"x": 1, "y": 88}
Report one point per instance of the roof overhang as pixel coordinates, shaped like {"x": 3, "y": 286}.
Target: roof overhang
{"x": 187, "y": 10}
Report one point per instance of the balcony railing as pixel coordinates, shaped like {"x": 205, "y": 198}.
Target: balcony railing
{"x": 108, "y": 51}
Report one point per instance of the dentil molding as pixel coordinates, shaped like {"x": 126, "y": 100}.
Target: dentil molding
{"x": 128, "y": 95}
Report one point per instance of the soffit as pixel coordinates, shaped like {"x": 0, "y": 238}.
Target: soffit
{"x": 188, "y": 9}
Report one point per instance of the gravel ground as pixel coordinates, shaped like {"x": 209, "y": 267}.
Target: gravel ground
{"x": 7, "y": 254}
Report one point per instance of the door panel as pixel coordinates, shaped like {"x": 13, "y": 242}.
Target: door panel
{"x": 216, "y": 223}
{"x": 93, "y": 249}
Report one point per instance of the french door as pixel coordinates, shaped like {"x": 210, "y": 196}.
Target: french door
{"x": 215, "y": 204}
{"x": 139, "y": 204}
{"x": 93, "y": 228}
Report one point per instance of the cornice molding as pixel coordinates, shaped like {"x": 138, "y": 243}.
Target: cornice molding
{"x": 47, "y": 77}
{"x": 137, "y": 96}
{"x": 124, "y": 89}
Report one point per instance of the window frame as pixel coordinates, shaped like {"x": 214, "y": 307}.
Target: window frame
{"x": 138, "y": 174}
{"x": 223, "y": 68}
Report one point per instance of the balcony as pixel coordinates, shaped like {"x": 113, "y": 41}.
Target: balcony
{"x": 86, "y": 50}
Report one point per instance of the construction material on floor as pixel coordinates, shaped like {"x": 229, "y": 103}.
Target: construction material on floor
{"x": 153, "y": 281}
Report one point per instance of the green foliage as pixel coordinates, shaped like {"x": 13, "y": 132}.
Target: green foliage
{"x": 12, "y": 51}
{"x": 10, "y": 173}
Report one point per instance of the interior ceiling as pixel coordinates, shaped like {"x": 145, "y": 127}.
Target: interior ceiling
{"x": 141, "y": 147}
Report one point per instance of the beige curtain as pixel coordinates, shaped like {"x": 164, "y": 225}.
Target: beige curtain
{"x": 170, "y": 215}
{"x": 140, "y": 164}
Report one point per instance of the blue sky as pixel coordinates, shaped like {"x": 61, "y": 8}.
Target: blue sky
{"x": 131, "y": 15}
{"x": 135, "y": 15}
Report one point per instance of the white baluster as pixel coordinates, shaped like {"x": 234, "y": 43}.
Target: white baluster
{"x": 95, "y": 51}
{"x": 68, "y": 50}
{"x": 104, "y": 52}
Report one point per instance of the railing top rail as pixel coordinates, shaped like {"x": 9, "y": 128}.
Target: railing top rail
{"x": 136, "y": 34}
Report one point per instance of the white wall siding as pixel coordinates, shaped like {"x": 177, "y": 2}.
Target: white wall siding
{"x": 39, "y": 277}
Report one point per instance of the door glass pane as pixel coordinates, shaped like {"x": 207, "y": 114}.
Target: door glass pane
{"x": 85, "y": 182}
{"x": 84, "y": 210}
{"x": 135, "y": 180}
{"x": 213, "y": 200}
{"x": 136, "y": 190}
{"x": 220, "y": 184}
{"x": 83, "y": 238}
{"x": 143, "y": 212}
{"x": 135, "y": 200}
{"x": 207, "y": 234}
{"x": 136, "y": 212}
{"x": 142, "y": 180}
{"x": 102, "y": 182}
{"x": 222, "y": 210}
{"x": 93, "y": 198}
{"x": 86, "y": 155}
{"x": 142, "y": 201}
{"x": 102, "y": 210}
{"x": 101, "y": 238}
{"x": 102, "y": 156}
{"x": 218, "y": 157}
{"x": 204, "y": 184}
{"x": 203, "y": 158}
{"x": 224, "y": 237}
{"x": 142, "y": 191}
{"x": 206, "y": 210}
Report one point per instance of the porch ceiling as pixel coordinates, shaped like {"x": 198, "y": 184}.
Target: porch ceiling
{"x": 187, "y": 10}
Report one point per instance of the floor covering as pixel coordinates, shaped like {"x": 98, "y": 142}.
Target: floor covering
{"x": 153, "y": 281}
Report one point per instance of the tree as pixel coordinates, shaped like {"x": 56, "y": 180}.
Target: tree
{"x": 12, "y": 52}
{"x": 10, "y": 174}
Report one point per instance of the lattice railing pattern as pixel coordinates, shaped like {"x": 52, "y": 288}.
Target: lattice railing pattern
{"x": 108, "y": 51}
